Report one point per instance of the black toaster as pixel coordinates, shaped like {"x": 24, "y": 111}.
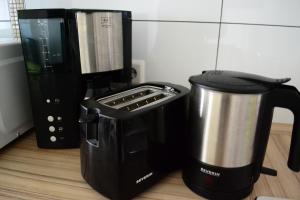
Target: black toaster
{"x": 131, "y": 139}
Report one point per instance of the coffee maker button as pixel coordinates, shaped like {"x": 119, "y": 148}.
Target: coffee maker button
{"x": 57, "y": 100}
{"x": 48, "y": 101}
{"x": 50, "y": 118}
{"x": 59, "y": 118}
{"x": 53, "y": 139}
{"x": 51, "y": 129}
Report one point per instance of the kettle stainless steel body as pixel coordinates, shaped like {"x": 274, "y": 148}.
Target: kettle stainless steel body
{"x": 229, "y": 124}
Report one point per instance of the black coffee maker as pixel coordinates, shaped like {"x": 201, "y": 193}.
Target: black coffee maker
{"x": 71, "y": 55}
{"x": 229, "y": 120}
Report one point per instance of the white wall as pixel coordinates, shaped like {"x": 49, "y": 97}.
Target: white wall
{"x": 262, "y": 36}
{"x": 180, "y": 38}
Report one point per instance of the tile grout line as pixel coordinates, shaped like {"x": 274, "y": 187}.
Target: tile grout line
{"x": 219, "y": 36}
{"x": 210, "y": 22}
{"x": 254, "y": 24}
{"x": 176, "y": 21}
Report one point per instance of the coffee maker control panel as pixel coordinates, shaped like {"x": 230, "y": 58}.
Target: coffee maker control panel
{"x": 55, "y": 128}
{"x": 56, "y": 111}
{"x": 55, "y": 125}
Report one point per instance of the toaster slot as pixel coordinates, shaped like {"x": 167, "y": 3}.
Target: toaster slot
{"x": 138, "y": 98}
{"x": 142, "y": 103}
{"x": 130, "y": 97}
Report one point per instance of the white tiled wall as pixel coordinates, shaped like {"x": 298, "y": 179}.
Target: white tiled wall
{"x": 257, "y": 36}
{"x": 269, "y": 51}
{"x": 278, "y": 12}
{"x": 188, "y": 10}
{"x": 36, "y": 4}
{"x": 265, "y": 50}
{"x": 174, "y": 50}
{"x": 261, "y": 36}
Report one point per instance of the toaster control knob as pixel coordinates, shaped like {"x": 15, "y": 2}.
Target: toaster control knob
{"x": 53, "y": 139}
{"x": 51, "y": 129}
{"x": 169, "y": 89}
{"x": 50, "y": 118}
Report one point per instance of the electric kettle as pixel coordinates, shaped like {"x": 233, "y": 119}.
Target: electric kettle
{"x": 230, "y": 116}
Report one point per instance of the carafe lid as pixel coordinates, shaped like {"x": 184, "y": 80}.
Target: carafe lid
{"x": 236, "y": 82}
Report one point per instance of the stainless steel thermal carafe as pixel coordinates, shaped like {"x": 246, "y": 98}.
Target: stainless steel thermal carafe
{"x": 230, "y": 117}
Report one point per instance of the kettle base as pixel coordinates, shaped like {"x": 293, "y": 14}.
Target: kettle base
{"x": 217, "y": 182}
{"x": 217, "y": 195}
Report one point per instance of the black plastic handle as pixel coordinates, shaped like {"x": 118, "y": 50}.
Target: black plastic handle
{"x": 289, "y": 97}
{"x": 264, "y": 80}
{"x": 254, "y": 78}
{"x": 89, "y": 124}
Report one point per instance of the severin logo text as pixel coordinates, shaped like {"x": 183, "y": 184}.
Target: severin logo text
{"x": 144, "y": 178}
{"x": 206, "y": 171}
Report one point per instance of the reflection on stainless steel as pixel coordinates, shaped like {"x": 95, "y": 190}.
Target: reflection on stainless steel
{"x": 100, "y": 41}
{"x": 225, "y": 126}
{"x": 137, "y": 98}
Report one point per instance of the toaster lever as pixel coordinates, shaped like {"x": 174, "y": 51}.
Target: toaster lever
{"x": 89, "y": 118}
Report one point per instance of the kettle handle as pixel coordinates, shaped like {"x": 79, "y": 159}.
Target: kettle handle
{"x": 286, "y": 96}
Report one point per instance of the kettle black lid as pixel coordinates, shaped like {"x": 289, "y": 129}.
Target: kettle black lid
{"x": 236, "y": 82}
